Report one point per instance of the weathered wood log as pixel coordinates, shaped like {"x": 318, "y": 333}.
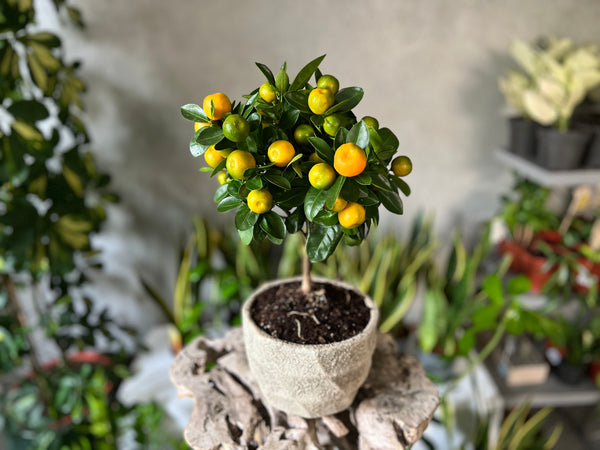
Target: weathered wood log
{"x": 391, "y": 410}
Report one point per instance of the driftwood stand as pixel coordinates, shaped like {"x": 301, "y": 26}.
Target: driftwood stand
{"x": 391, "y": 411}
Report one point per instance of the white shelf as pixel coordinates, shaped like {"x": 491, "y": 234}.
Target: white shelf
{"x": 548, "y": 178}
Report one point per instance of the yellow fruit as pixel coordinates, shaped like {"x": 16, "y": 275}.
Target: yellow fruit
{"x": 328, "y": 82}
{"x": 221, "y": 103}
{"x": 267, "y": 92}
{"x": 349, "y": 160}
{"x": 222, "y": 177}
{"x": 260, "y": 201}
{"x": 352, "y": 215}
{"x": 371, "y": 122}
{"x": 339, "y": 204}
{"x": 302, "y": 133}
{"x": 401, "y": 166}
{"x": 281, "y": 153}
{"x": 236, "y": 128}
{"x": 212, "y": 157}
{"x": 332, "y": 123}
{"x": 198, "y": 125}
{"x": 238, "y": 162}
{"x": 320, "y": 100}
{"x": 321, "y": 176}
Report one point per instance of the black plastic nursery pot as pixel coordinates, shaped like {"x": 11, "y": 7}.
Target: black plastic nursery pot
{"x": 592, "y": 156}
{"x": 522, "y": 137}
{"x": 561, "y": 150}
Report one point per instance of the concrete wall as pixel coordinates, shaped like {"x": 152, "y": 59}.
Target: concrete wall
{"x": 428, "y": 68}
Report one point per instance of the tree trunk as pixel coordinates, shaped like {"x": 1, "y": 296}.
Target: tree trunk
{"x": 306, "y": 266}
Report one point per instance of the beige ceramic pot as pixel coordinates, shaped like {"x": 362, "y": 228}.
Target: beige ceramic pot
{"x": 309, "y": 380}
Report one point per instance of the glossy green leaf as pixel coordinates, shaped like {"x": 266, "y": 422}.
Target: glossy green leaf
{"x": 346, "y": 99}
{"x": 204, "y": 138}
{"x": 391, "y": 201}
{"x": 28, "y": 110}
{"x": 350, "y": 190}
{"x": 388, "y": 138}
{"x": 322, "y": 148}
{"x": 220, "y": 193}
{"x": 246, "y": 235}
{"x": 334, "y": 191}
{"x": 359, "y": 135}
{"x": 228, "y": 203}
{"x": 292, "y": 199}
{"x": 278, "y": 180}
{"x": 322, "y": 241}
{"x": 381, "y": 182}
{"x": 305, "y": 73}
{"x": 298, "y": 100}
{"x": 289, "y": 118}
{"x": 266, "y": 72}
{"x": 327, "y": 218}
{"x": 47, "y": 39}
{"x": 295, "y": 220}
{"x": 492, "y": 286}
{"x": 194, "y": 112}
{"x": 254, "y": 183}
{"x": 244, "y": 218}
{"x": 282, "y": 81}
{"x": 402, "y": 185}
{"x": 341, "y": 137}
{"x": 272, "y": 224}
{"x": 314, "y": 202}
{"x": 363, "y": 178}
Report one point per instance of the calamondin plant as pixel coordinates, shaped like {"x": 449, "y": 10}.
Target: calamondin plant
{"x": 294, "y": 158}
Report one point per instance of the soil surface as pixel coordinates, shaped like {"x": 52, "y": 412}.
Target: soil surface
{"x": 328, "y": 314}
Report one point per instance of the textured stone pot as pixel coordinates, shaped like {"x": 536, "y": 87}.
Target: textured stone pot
{"x": 309, "y": 380}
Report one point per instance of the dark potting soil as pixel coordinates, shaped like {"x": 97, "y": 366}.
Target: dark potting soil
{"x": 328, "y": 314}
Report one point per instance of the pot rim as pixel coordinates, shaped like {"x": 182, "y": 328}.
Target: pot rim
{"x": 247, "y": 319}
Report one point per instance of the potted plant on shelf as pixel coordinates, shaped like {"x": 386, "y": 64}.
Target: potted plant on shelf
{"x": 294, "y": 159}
{"x": 557, "y": 78}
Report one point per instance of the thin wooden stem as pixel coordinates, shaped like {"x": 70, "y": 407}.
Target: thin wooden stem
{"x": 306, "y": 267}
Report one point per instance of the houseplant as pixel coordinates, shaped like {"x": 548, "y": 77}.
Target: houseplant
{"x": 557, "y": 78}
{"x": 295, "y": 159}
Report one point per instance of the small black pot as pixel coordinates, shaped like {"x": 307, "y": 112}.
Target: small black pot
{"x": 592, "y": 156}
{"x": 561, "y": 150}
{"x": 569, "y": 373}
{"x": 521, "y": 140}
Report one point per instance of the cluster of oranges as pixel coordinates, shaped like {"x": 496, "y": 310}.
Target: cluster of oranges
{"x": 287, "y": 139}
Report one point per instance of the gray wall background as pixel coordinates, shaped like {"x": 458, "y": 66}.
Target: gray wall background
{"x": 429, "y": 69}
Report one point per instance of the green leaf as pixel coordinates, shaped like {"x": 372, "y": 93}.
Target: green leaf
{"x": 492, "y": 286}
{"x": 341, "y": 137}
{"x": 433, "y": 323}
{"x": 220, "y": 193}
{"x": 314, "y": 202}
{"x": 363, "y": 178}
{"x": 282, "y": 81}
{"x": 359, "y": 135}
{"x": 46, "y": 58}
{"x": 228, "y": 203}
{"x": 204, "y": 138}
{"x": 278, "y": 180}
{"x": 244, "y": 218}
{"x": 254, "y": 183}
{"x": 381, "y": 182}
{"x": 28, "y": 110}
{"x": 47, "y": 39}
{"x": 402, "y": 185}
{"x": 246, "y": 235}
{"x": 322, "y": 148}
{"x": 346, "y": 99}
{"x": 322, "y": 241}
{"x": 194, "y": 112}
{"x": 295, "y": 220}
{"x": 27, "y": 131}
{"x": 350, "y": 190}
{"x": 334, "y": 191}
{"x": 391, "y": 201}
{"x": 289, "y": 118}
{"x": 292, "y": 199}
{"x": 272, "y": 224}
{"x": 327, "y": 218}
{"x": 519, "y": 285}
{"x": 266, "y": 72}
{"x": 298, "y": 100}
{"x": 39, "y": 75}
{"x": 305, "y": 74}
{"x": 388, "y": 139}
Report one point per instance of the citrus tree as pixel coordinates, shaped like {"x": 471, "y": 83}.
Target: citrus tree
{"x": 294, "y": 158}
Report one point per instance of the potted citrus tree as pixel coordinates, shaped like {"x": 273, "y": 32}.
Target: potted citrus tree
{"x": 293, "y": 158}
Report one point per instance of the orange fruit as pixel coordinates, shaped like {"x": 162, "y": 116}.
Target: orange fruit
{"x": 238, "y": 162}
{"x": 260, "y": 201}
{"x": 339, "y": 204}
{"x": 401, "y": 166}
{"x": 332, "y": 123}
{"x": 328, "y": 82}
{"x": 221, "y": 103}
{"x": 236, "y": 128}
{"x": 371, "y": 122}
{"x": 267, "y": 92}
{"x": 321, "y": 176}
{"x": 320, "y": 100}
{"x": 198, "y": 125}
{"x": 302, "y": 133}
{"x": 349, "y": 160}
{"x": 281, "y": 153}
{"x": 352, "y": 215}
{"x": 212, "y": 156}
